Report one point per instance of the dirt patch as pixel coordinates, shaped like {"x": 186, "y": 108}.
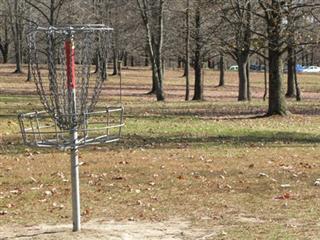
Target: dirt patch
{"x": 174, "y": 229}
{"x": 249, "y": 219}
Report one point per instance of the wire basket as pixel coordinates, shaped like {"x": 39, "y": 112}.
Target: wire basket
{"x": 40, "y": 130}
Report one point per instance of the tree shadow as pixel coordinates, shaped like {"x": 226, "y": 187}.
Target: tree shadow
{"x": 38, "y": 234}
{"x": 256, "y": 138}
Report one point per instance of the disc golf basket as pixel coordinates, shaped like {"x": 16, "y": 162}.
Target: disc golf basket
{"x": 69, "y": 66}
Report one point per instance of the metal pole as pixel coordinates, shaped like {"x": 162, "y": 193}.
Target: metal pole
{"x": 71, "y": 84}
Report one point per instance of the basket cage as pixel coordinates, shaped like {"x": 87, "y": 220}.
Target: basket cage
{"x": 40, "y": 130}
{"x": 62, "y": 112}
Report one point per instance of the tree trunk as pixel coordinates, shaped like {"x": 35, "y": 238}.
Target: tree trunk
{"x": 298, "y": 95}
{"x": 125, "y": 59}
{"x": 5, "y": 55}
{"x": 16, "y": 28}
{"x": 184, "y": 68}
{"x": 277, "y": 103}
{"x": 222, "y": 70}
{"x": 163, "y": 68}
{"x": 146, "y": 58}
{"x": 248, "y": 81}
{"x": 159, "y": 59}
{"x": 198, "y": 84}
{"x": 154, "y": 43}
{"x": 4, "y": 49}
{"x": 291, "y": 68}
{"x": 29, "y": 76}
{"x": 115, "y": 62}
{"x": 243, "y": 88}
{"x": 154, "y": 81}
{"x": 17, "y": 55}
{"x": 180, "y": 61}
{"x": 265, "y": 78}
{"x": 187, "y": 60}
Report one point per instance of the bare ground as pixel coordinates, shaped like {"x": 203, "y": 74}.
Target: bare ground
{"x": 174, "y": 229}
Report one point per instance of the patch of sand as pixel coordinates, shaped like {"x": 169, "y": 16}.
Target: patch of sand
{"x": 170, "y": 230}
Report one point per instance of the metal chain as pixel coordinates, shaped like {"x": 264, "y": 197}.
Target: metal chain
{"x": 51, "y": 84}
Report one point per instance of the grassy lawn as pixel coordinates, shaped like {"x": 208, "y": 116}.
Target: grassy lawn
{"x": 217, "y": 163}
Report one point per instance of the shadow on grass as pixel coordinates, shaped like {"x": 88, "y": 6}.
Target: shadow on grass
{"x": 13, "y": 144}
{"x": 257, "y": 138}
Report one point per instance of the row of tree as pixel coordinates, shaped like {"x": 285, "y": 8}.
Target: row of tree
{"x": 189, "y": 31}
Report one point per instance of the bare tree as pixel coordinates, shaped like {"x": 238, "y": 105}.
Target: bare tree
{"x": 49, "y": 10}
{"x": 15, "y": 12}
{"x": 151, "y": 12}
{"x": 202, "y": 40}
{"x": 237, "y": 18}
{"x": 4, "y": 39}
{"x": 280, "y": 17}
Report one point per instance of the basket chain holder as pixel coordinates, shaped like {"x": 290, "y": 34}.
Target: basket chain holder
{"x": 69, "y": 92}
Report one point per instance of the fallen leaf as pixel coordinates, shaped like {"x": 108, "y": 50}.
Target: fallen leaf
{"x": 263, "y": 175}
{"x": 33, "y": 179}
{"x": 85, "y": 212}
{"x": 283, "y": 196}
{"x": 118, "y": 178}
{"x": 59, "y": 206}
{"x": 138, "y": 191}
{"x": 10, "y": 205}
{"x": 317, "y": 182}
{"x": 15, "y": 191}
{"x": 3, "y": 212}
{"x": 124, "y": 162}
{"x": 48, "y": 193}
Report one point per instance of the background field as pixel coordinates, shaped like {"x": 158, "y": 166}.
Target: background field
{"x": 216, "y": 165}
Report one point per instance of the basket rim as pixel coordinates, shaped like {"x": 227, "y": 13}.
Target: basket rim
{"x": 44, "y": 113}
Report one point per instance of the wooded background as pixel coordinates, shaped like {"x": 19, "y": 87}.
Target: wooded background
{"x": 271, "y": 34}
